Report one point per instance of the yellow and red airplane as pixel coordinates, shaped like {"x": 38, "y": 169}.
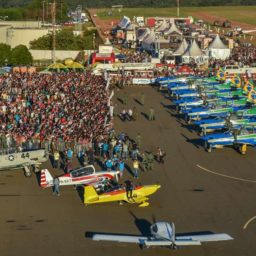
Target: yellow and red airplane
{"x": 119, "y": 194}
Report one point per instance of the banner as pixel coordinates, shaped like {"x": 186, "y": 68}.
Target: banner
{"x": 143, "y": 80}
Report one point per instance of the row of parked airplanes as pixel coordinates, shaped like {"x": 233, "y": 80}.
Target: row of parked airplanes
{"x": 223, "y": 111}
{"x": 161, "y": 233}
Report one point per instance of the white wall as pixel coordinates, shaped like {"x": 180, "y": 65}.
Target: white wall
{"x": 24, "y": 36}
{"x": 60, "y": 55}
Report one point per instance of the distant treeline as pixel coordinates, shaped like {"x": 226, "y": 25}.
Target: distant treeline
{"x": 128, "y": 3}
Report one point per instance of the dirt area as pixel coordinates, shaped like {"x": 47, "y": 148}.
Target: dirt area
{"x": 103, "y": 26}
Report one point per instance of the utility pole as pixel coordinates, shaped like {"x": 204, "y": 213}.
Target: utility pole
{"x": 178, "y": 8}
{"x": 43, "y": 11}
{"x": 47, "y": 10}
{"x": 53, "y": 31}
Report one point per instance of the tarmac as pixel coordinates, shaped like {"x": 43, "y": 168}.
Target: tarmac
{"x": 200, "y": 192}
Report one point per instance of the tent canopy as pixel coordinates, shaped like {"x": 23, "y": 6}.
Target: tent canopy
{"x": 57, "y": 65}
{"x": 193, "y": 50}
{"x": 217, "y": 43}
{"x": 172, "y": 30}
{"x": 75, "y": 65}
{"x": 182, "y": 48}
{"x": 162, "y": 27}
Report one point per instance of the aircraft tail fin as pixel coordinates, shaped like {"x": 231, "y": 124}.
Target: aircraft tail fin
{"x": 46, "y": 179}
{"x": 90, "y": 195}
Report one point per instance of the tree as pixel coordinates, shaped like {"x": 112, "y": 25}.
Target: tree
{"x": 20, "y": 55}
{"x": 5, "y": 54}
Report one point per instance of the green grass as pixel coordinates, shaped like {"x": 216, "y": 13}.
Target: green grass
{"x": 244, "y": 14}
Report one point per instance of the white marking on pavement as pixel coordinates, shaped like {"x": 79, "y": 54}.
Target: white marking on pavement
{"x": 224, "y": 175}
{"x": 248, "y": 222}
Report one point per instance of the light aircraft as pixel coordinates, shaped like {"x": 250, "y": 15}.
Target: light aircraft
{"x": 163, "y": 234}
{"x": 237, "y": 138}
{"x": 232, "y": 122}
{"x": 82, "y": 176}
{"x": 27, "y": 160}
{"x": 118, "y": 193}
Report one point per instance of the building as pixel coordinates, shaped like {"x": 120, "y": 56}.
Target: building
{"x": 15, "y": 33}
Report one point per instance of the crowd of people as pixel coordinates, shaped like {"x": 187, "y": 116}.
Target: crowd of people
{"x": 58, "y": 108}
{"x": 239, "y": 56}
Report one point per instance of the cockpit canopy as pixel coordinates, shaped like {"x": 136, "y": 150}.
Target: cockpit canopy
{"x": 87, "y": 170}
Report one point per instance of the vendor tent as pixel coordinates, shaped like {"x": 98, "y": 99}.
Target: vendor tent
{"x": 172, "y": 30}
{"x": 194, "y": 54}
{"x": 75, "y": 66}
{"x": 182, "y": 48}
{"x": 218, "y": 50}
{"x": 163, "y": 26}
{"x": 149, "y": 41}
{"x": 57, "y": 67}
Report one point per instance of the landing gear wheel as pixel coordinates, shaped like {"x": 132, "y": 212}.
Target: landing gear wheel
{"x": 27, "y": 171}
{"x": 209, "y": 149}
{"x": 174, "y": 247}
{"x": 28, "y": 174}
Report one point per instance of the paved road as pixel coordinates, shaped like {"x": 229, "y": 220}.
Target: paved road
{"x": 33, "y": 222}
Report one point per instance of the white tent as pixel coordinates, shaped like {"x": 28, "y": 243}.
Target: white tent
{"x": 195, "y": 54}
{"x": 149, "y": 41}
{"x": 172, "y": 30}
{"x": 218, "y": 50}
{"x": 182, "y": 48}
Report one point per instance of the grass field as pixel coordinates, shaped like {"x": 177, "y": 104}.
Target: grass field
{"x": 241, "y": 14}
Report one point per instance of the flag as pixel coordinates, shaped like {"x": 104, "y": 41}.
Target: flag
{"x": 236, "y": 80}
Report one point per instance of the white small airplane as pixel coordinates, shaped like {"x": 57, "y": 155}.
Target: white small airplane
{"x": 82, "y": 176}
{"x": 163, "y": 234}
{"x": 28, "y": 160}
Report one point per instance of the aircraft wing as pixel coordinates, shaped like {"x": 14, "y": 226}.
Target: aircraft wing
{"x": 120, "y": 238}
{"x": 203, "y": 238}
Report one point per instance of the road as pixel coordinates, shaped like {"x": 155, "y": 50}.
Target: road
{"x": 33, "y": 222}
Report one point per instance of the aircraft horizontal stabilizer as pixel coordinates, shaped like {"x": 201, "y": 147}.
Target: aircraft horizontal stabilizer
{"x": 120, "y": 238}
{"x": 187, "y": 242}
{"x": 205, "y": 238}
{"x": 157, "y": 243}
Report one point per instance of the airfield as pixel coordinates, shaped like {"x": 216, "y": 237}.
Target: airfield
{"x": 200, "y": 192}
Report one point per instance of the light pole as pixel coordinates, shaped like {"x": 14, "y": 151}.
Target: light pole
{"x": 43, "y": 11}
{"x": 93, "y": 40}
{"x": 178, "y": 8}
{"x": 53, "y": 31}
